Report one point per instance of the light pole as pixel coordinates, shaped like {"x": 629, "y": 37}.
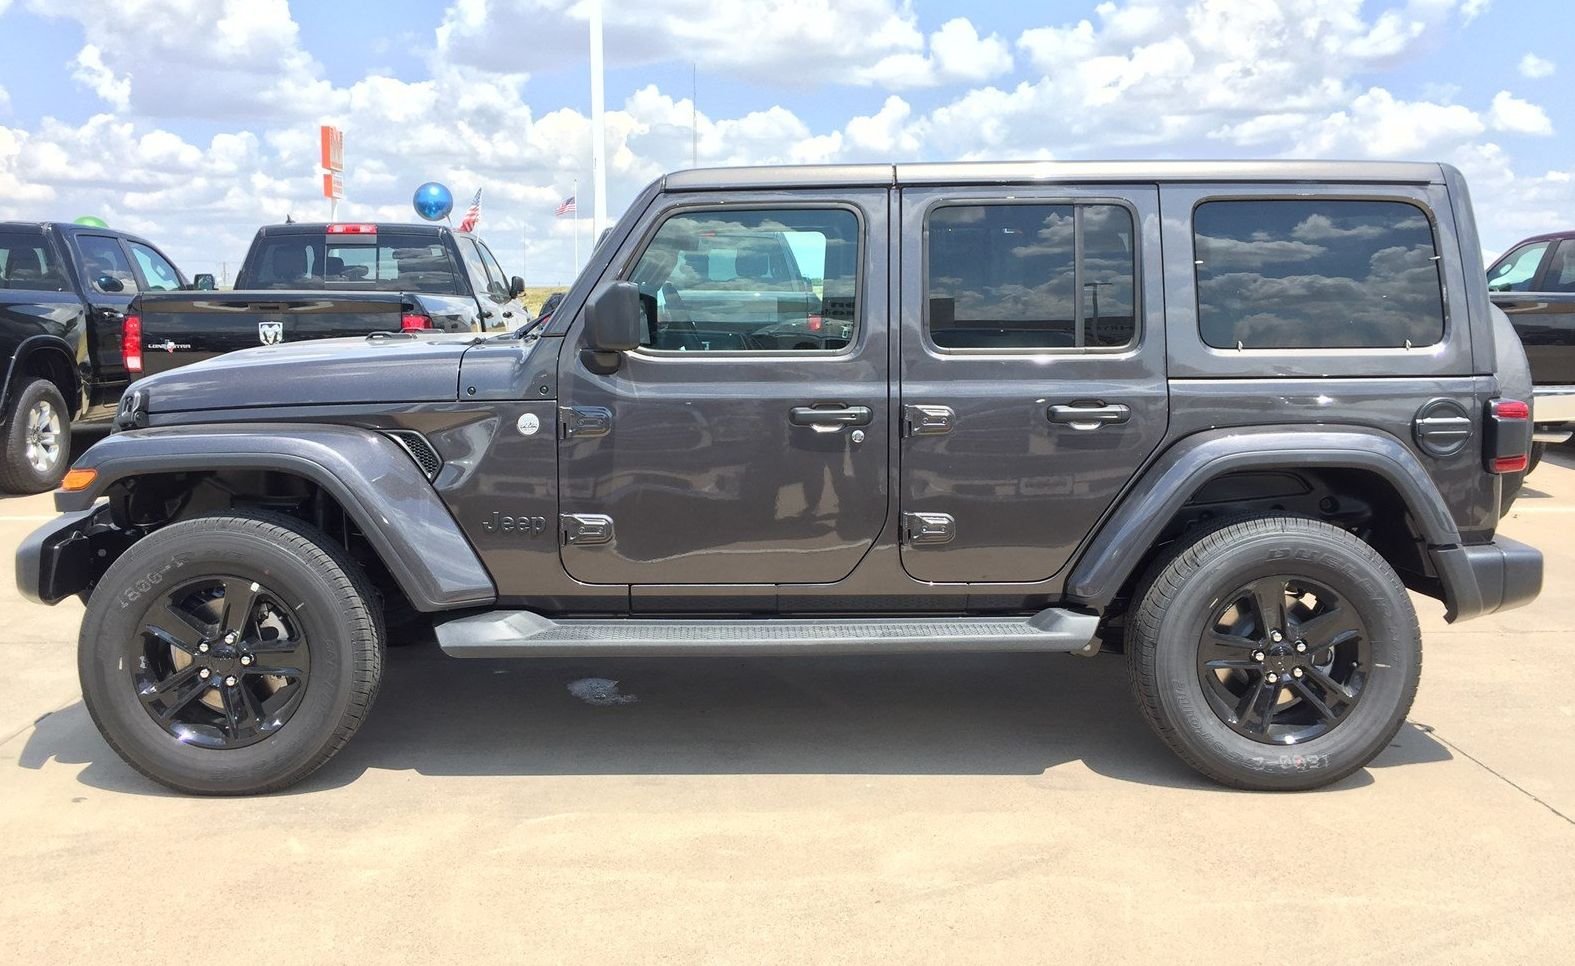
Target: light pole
{"x": 598, "y": 130}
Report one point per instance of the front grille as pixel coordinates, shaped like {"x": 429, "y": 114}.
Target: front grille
{"x": 419, "y": 449}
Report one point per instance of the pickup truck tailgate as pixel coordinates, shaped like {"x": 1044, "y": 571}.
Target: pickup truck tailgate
{"x": 179, "y": 328}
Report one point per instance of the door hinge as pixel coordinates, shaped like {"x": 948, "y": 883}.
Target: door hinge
{"x": 584, "y": 422}
{"x": 586, "y": 529}
{"x": 927, "y": 420}
{"x": 927, "y": 529}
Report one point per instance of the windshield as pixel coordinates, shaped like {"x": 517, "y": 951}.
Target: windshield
{"x": 394, "y": 262}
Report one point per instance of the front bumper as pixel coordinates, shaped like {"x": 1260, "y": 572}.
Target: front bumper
{"x": 68, "y": 555}
{"x": 1487, "y": 578}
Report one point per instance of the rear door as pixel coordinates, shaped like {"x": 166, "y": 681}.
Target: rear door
{"x": 750, "y": 449}
{"x": 108, "y": 285}
{"x": 1032, "y": 371}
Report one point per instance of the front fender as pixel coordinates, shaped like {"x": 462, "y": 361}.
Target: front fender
{"x": 368, "y": 474}
{"x": 1126, "y": 535}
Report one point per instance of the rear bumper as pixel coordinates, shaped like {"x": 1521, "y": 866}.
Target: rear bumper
{"x": 1488, "y": 578}
{"x": 62, "y": 558}
{"x": 1553, "y": 404}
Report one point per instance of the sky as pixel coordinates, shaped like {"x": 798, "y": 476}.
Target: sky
{"x": 194, "y": 121}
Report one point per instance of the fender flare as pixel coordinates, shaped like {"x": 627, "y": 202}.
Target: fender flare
{"x": 375, "y": 480}
{"x": 43, "y": 343}
{"x": 1126, "y": 534}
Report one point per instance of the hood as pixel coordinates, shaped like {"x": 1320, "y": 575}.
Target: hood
{"x": 325, "y": 372}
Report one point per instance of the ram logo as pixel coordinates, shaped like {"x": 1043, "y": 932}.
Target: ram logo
{"x": 270, "y": 333}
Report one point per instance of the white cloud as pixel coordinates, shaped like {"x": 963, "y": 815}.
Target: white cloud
{"x": 1137, "y": 78}
{"x": 89, "y": 70}
{"x": 957, "y": 54}
{"x": 1378, "y": 125}
{"x": 1513, "y": 115}
{"x": 800, "y": 43}
{"x": 5, "y": 101}
{"x": 1536, "y": 67}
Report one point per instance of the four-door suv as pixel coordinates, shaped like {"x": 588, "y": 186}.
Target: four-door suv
{"x": 1219, "y": 415}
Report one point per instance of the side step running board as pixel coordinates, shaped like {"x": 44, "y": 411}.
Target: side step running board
{"x": 522, "y": 633}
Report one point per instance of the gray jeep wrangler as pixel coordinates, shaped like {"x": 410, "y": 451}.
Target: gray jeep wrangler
{"x": 1219, "y": 416}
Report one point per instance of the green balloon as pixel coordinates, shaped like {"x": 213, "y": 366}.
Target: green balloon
{"x": 92, "y": 221}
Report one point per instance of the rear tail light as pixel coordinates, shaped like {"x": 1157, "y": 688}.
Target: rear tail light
{"x": 131, "y": 343}
{"x": 1508, "y": 436}
{"x": 411, "y": 322}
{"x": 351, "y": 229}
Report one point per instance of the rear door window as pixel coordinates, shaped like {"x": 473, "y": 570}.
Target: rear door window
{"x": 28, "y": 264}
{"x": 1316, "y": 274}
{"x": 102, "y": 259}
{"x": 1561, "y": 270}
{"x": 1007, "y": 276}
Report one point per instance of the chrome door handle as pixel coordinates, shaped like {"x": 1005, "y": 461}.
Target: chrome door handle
{"x": 1086, "y": 416}
{"x": 830, "y": 419}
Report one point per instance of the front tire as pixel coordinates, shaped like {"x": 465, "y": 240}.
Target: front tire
{"x": 37, "y": 437}
{"x": 231, "y": 655}
{"x": 1274, "y": 653}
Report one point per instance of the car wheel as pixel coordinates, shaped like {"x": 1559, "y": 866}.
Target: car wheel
{"x": 1274, "y": 653}
{"x": 231, "y": 655}
{"x": 1538, "y": 450}
{"x": 37, "y": 439}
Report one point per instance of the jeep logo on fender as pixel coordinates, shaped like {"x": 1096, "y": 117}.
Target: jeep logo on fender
{"x": 502, "y": 523}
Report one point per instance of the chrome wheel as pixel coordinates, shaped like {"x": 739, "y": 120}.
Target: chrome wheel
{"x": 42, "y": 439}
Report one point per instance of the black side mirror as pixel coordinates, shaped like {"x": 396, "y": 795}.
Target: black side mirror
{"x": 613, "y": 326}
{"x": 203, "y": 282}
{"x": 516, "y": 287}
{"x": 109, "y": 283}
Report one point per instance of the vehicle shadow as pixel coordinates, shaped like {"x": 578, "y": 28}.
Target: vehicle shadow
{"x": 920, "y": 715}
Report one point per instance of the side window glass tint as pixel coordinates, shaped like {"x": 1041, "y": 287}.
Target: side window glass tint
{"x": 752, "y": 280}
{"x": 1283, "y": 274}
{"x": 1561, "y": 273}
{"x": 1007, "y": 276}
{"x": 103, "y": 258}
{"x": 498, "y": 286}
{"x": 27, "y": 264}
{"x": 158, "y": 273}
{"x": 1518, "y": 270}
{"x": 474, "y": 267}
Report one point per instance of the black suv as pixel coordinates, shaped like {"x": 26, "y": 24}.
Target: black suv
{"x": 1217, "y": 415}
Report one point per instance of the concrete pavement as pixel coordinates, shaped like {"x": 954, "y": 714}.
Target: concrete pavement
{"x": 972, "y": 808}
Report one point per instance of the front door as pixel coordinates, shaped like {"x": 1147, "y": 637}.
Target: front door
{"x": 1033, "y": 380}
{"x": 746, "y": 442}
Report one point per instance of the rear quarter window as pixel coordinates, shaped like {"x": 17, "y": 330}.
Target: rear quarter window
{"x": 1316, "y": 274}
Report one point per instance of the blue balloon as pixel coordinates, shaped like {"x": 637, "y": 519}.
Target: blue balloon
{"x": 433, "y": 201}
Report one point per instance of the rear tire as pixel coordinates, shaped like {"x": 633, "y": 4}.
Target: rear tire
{"x": 200, "y": 711}
{"x": 37, "y": 436}
{"x": 1201, "y": 656}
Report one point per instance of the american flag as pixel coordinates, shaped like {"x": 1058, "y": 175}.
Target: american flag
{"x": 468, "y": 223}
{"x": 567, "y": 208}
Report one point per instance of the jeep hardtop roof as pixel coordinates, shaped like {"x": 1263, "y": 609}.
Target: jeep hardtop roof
{"x": 1011, "y": 172}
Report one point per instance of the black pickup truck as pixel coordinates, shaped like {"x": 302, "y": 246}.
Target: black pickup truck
{"x": 64, "y": 290}
{"x": 324, "y": 281}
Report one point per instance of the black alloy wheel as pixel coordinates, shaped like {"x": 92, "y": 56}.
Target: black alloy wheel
{"x": 220, "y": 663}
{"x": 1283, "y": 660}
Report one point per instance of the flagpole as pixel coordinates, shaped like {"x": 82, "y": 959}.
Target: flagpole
{"x": 598, "y": 128}
{"x": 576, "y": 226}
